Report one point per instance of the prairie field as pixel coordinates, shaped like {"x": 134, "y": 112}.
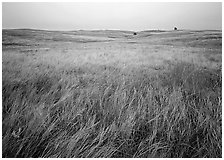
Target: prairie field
{"x": 111, "y": 94}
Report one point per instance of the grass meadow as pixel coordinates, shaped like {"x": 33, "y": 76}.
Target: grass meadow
{"x": 52, "y": 109}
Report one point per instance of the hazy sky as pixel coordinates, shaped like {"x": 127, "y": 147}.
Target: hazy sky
{"x": 124, "y": 16}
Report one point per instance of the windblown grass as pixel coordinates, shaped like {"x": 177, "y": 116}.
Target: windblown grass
{"x": 174, "y": 114}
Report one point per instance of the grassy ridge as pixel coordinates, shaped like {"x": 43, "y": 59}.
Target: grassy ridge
{"x": 57, "y": 114}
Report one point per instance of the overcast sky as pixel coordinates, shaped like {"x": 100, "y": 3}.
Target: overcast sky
{"x": 123, "y": 16}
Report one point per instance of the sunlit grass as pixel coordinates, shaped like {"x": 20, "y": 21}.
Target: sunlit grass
{"x": 103, "y": 112}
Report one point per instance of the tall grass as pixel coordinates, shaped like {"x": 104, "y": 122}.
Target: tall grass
{"x": 174, "y": 114}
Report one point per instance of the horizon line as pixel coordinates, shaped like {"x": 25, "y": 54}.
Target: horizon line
{"x": 111, "y": 29}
